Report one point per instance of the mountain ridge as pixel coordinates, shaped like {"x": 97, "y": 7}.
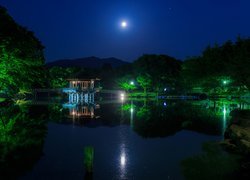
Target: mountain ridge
{"x": 87, "y": 62}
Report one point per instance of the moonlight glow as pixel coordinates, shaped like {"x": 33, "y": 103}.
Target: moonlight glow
{"x": 124, "y": 24}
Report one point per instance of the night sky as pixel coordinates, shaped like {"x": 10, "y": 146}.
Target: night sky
{"x": 179, "y": 28}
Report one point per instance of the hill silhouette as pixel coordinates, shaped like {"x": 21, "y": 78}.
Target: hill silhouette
{"x": 88, "y": 62}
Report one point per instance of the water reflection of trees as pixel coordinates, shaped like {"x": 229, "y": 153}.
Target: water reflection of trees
{"x": 160, "y": 119}
{"x": 155, "y": 118}
{"x": 156, "y": 121}
{"x": 22, "y": 133}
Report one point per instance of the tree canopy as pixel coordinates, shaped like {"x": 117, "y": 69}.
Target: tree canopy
{"x": 21, "y": 57}
{"x": 219, "y": 66}
{"x": 162, "y": 70}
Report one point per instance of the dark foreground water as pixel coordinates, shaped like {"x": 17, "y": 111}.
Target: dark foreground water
{"x": 131, "y": 140}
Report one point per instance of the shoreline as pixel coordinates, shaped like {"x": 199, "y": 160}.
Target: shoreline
{"x": 237, "y": 139}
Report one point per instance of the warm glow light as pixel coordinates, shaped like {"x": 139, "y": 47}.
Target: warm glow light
{"x": 122, "y": 96}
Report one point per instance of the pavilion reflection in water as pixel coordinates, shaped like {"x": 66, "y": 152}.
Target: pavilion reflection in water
{"x": 81, "y": 98}
{"x": 83, "y": 111}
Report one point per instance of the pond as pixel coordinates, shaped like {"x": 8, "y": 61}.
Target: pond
{"x": 132, "y": 139}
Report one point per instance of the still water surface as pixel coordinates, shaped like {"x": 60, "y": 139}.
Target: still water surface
{"x": 131, "y": 140}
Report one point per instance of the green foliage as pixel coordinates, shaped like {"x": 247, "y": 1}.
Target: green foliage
{"x": 89, "y": 158}
{"x": 128, "y": 107}
{"x": 125, "y": 83}
{"x": 145, "y": 81}
{"x": 58, "y": 76}
{"x": 21, "y": 57}
{"x": 159, "y": 70}
{"x": 144, "y": 113}
{"x": 230, "y": 62}
{"x": 2, "y": 99}
{"x": 21, "y": 139}
{"x": 127, "y": 86}
{"x": 152, "y": 72}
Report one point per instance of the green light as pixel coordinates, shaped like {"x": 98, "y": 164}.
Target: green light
{"x": 89, "y": 158}
{"x": 127, "y": 85}
{"x": 224, "y": 82}
{"x": 224, "y": 111}
{"x": 132, "y": 83}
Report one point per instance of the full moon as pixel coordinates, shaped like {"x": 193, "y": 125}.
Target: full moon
{"x": 124, "y": 24}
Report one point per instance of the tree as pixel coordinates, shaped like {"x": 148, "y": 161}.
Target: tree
{"x": 164, "y": 70}
{"x": 125, "y": 83}
{"x": 21, "y": 57}
{"x": 230, "y": 62}
{"x": 58, "y": 76}
{"x": 144, "y": 81}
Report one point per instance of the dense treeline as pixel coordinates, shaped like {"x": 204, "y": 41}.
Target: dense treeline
{"x": 224, "y": 68}
{"x": 21, "y": 58}
{"x": 152, "y": 73}
{"x": 220, "y": 70}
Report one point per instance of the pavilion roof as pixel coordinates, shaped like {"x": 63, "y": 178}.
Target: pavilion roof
{"x": 85, "y": 79}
